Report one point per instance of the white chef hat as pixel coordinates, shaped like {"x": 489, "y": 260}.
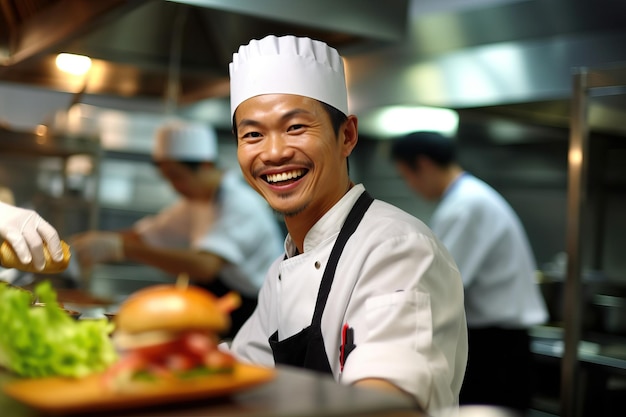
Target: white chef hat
{"x": 185, "y": 141}
{"x": 288, "y": 65}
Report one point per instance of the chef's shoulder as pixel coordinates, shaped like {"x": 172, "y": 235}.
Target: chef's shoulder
{"x": 389, "y": 220}
{"x": 475, "y": 201}
{"x": 386, "y": 228}
{"x": 392, "y": 233}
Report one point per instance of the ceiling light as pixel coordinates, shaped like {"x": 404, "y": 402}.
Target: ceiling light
{"x": 73, "y": 64}
{"x": 392, "y": 121}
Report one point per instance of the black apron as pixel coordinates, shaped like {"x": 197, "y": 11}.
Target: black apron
{"x": 306, "y": 349}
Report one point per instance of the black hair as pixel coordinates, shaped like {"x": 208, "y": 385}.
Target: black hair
{"x": 192, "y": 165}
{"x": 337, "y": 117}
{"x": 433, "y": 145}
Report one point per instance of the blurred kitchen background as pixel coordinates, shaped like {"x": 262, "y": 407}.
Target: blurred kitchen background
{"x": 498, "y": 73}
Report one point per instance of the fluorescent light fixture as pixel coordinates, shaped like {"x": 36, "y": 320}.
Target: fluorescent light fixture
{"x": 73, "y": 64}
{"x": 392, "y": 121}
{"x": 79, "y": 165}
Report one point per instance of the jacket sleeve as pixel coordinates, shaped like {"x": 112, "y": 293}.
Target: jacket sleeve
{"x": 469, "y": 234}
{"x": 168, "y": 228}
{"x": 410, "y": 326}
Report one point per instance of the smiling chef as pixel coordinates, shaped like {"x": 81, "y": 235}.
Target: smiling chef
{"x": 364, "y": 291}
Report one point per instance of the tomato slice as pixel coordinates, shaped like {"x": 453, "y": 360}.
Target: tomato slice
{"x": 187, "y": 351}
{"x": 154, "y": 352}
{"x": 181, "y": 362}
{"x": 198, "y": 343}
{"x": 217, "y": 359}
{"x": 124, "y": 368}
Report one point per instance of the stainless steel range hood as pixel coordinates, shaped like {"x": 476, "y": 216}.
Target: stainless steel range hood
{"x": 135, "y": 44}
{"x": 502, "y": 57}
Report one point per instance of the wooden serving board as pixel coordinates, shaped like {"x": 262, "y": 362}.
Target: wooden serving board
{"x": 71, "y": 395}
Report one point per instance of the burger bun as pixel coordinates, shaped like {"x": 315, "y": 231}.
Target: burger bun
{"x": 171, "y": 308}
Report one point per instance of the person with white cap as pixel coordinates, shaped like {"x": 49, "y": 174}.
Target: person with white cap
{"x": 220, "y": 232}
{"x": 365, "y": 291}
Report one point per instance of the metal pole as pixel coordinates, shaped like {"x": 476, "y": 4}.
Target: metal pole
{"x": 576, "y": 199}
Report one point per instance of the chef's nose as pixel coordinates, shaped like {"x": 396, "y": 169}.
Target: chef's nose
{"x": 276, "y": 149}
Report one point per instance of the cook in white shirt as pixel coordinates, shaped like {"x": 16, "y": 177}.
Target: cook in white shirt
{"x": 489, "y": 244}
{"x": 395, "y": 286}
{"x": 220, "y": 232}
{"x": 390, "y": 315}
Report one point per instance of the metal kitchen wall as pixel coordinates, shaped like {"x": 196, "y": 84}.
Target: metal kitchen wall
{"x": 596, "y": 180}
{"x": 530, "y": 171}
{"x": 55, "y": 175}
{"x": 530, "y": 174}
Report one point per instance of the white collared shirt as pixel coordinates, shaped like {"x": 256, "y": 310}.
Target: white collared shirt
{"x": 395, "y": 285}
{"x": 490, "y": 247}
{"x": 239, "y": 227}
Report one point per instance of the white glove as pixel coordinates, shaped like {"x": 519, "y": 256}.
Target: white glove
{"x": 27, "y": 232}
{"x": 95, "y": 247}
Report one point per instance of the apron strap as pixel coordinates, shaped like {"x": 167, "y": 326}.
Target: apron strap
{"x": 348, "y": 228}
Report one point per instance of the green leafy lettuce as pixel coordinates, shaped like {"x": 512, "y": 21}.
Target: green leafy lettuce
{"x": 46, "y": 341}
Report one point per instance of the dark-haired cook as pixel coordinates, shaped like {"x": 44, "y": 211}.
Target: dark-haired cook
{"x": 489, "y": 244}
{"x": 364, "y": 291}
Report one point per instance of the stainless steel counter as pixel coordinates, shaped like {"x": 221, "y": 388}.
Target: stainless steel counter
{"x": 601, "y": 364}
{"x": 603, "y": 350}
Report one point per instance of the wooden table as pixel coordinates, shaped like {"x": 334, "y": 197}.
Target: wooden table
{"x": 292, "y": 393}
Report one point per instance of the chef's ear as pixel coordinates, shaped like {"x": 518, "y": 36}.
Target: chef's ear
{"x": 349, "y": 134}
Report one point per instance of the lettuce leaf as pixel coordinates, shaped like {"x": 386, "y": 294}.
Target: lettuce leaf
{"x": 46, "y": 341}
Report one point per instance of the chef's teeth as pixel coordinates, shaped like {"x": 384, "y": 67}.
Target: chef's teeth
{"x": 284, "y": 176}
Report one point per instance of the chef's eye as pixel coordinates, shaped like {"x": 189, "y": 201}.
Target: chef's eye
{"x": 295, "y": 127}
{"x": 250, "y": 135}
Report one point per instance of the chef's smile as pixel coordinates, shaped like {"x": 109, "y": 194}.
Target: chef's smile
{"x": 285, "y": 178}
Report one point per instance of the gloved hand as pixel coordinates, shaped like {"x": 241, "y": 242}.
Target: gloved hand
{"x": 27, "y": 232}
{"x": 95, "y": 247}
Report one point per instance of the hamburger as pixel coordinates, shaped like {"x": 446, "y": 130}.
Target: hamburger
{"x": 168, "y": 332}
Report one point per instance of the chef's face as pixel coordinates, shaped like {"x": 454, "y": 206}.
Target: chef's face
{"x": 186, "y": 181}
{"x": 289, "y": 152}
{"x": 418, "y": 179}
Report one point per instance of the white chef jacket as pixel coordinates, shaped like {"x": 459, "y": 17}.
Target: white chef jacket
{"x": 240, "y": 227}
{"x": 395, "y": 285}
{"x": 489, "y": 244}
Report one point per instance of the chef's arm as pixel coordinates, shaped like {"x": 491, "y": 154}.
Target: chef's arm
{"x": 94, "y": 247}
{"x": 201, "y": 266}
{"x": 378, "y": 383}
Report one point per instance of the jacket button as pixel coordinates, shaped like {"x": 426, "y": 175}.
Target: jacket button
{"x": 317, "y": 264}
